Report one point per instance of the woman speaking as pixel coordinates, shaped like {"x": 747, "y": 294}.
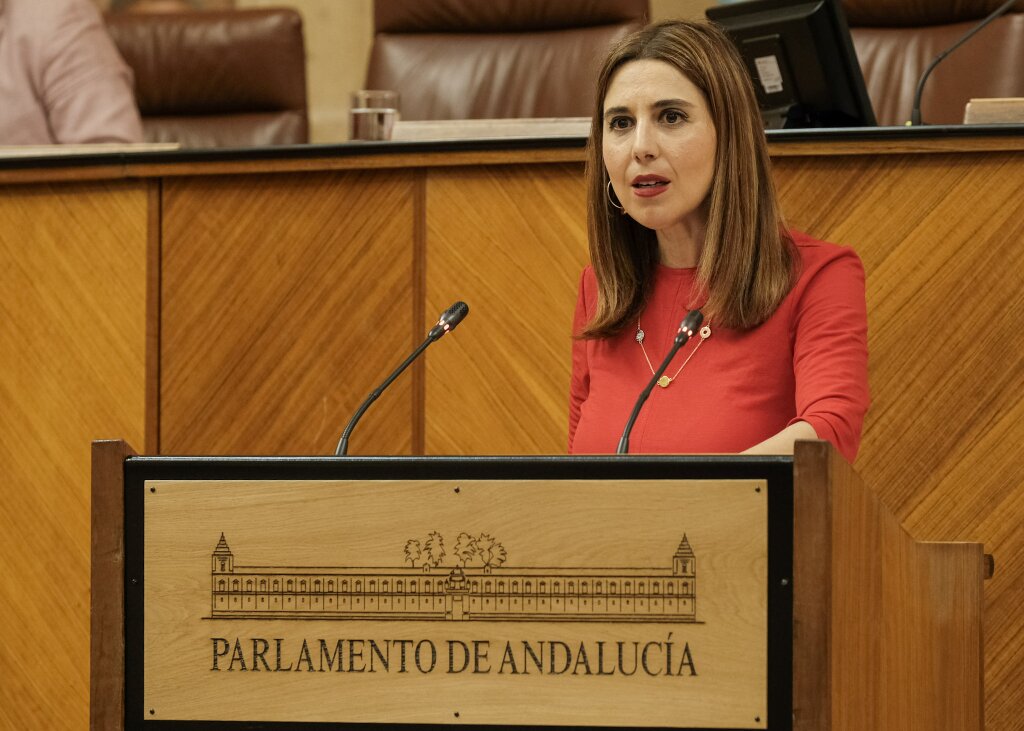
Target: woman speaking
{"x": 682, "y": 215}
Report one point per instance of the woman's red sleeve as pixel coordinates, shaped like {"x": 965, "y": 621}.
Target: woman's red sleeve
{"x": 830, "y": 352}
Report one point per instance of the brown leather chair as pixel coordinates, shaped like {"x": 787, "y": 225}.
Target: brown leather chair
{"x": 217, "y": 79}
{"x": 895, "y": 42}
{"x": 495, "y": 59}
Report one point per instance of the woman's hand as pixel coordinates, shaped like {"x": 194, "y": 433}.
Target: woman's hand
{"x": 782, "y": 443}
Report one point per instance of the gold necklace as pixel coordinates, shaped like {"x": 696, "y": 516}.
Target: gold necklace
{"x": 665, "y": 381}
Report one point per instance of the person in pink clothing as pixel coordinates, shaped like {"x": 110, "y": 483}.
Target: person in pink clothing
{"x": 61, "y": 78}
{"x": 683, "y": 215}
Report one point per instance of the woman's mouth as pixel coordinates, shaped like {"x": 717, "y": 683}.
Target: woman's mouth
{"x": 648, "y": 186}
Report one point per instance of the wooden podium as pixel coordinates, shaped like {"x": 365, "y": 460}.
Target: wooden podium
{"x": 690, "y": 592}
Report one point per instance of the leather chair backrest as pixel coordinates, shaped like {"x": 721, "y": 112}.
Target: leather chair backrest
{"x": 495, "y": 59}
{"x": 217, "y": 78}
{"x": 915, "y": 13}
{"x": 895, "y": 42}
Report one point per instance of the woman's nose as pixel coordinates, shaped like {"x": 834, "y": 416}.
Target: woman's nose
{"x": 645, "y": 143}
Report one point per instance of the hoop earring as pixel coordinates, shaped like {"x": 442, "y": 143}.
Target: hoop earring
{"x": 612, "y": 199}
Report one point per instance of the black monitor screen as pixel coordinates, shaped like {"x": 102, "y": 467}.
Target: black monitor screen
{"x": 802, "y": 61}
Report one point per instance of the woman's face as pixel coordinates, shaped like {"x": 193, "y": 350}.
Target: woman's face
{"x": 659, "y": 146}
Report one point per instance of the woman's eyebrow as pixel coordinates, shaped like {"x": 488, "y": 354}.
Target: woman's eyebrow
{"x": 672, "y": 103}
{"x": 660, "y": 104}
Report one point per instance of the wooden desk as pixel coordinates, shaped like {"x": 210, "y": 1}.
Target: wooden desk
{"x": 245, "y": 302}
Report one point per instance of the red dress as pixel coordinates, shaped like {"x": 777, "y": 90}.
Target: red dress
{"x": 807, "y": 362}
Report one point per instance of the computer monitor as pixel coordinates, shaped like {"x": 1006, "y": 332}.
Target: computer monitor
{"x": 801, "y": 58}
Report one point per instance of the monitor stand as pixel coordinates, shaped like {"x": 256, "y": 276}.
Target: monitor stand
{"x": 775, "y": 118}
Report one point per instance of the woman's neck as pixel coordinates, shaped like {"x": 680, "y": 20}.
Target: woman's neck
{"x": 679, "y": 246}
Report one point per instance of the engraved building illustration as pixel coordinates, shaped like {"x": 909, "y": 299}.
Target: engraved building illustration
{"x": 460, "y": 592}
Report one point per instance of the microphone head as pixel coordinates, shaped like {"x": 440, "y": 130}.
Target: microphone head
{"x": 689, "y": 326}
{"x": 453, "y": 315}
{"x": 449, "y": 319}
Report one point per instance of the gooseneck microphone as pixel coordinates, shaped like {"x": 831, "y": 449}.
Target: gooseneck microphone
{"x": 690, "y": 324}
{"x": 915, "y": 112}
{"x": 449, "y": 319}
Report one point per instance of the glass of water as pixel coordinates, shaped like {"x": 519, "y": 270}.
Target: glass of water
{"x": 372, "y": 114}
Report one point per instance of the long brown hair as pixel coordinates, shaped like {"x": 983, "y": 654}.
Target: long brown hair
{"x": 747, "y": 261}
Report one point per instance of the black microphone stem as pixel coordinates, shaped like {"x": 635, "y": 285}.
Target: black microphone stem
{"x": 449, "y": 320}
{"x": 915, "y": 112}
{"x": 624, "y": 441}
{"x": 342, "y": 449}
{"x": 690, "y": 324}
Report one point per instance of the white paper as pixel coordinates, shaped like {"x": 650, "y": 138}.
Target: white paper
{"x": 769, "y": 73}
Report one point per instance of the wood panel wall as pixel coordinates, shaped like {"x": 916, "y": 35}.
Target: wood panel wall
{"x": 285, "y": 299}
{"x": 941, "y": 240}
{"x": 287, "y": 291}
{"x": 72, "y": 369}
{"x": 511, "y": 242}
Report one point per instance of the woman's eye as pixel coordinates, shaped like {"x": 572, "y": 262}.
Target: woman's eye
{"x": 673, "y": 117}
{"x": 619, "y": 123}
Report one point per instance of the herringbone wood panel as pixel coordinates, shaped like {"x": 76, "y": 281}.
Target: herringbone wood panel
{"x": 72, "y": 338}
{"x": 941, "y": 238}
{"x": 510, "y": 241}
{"x": 285, "y": 300}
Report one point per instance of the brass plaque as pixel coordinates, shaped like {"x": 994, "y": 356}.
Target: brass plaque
{"x": 535, "y": 602}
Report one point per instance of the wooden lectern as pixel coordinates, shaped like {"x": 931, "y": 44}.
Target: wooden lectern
{"x": 690, "y": 592}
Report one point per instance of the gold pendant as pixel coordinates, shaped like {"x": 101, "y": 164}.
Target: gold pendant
{"x": 664, "y": 381}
